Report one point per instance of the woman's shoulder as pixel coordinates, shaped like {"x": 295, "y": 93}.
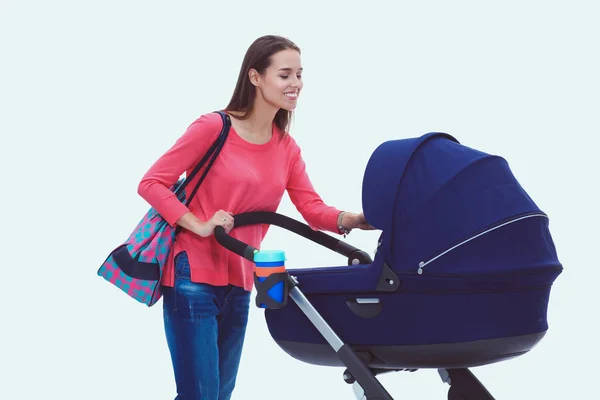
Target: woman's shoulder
{"x": 206, "y": 126}
{"x": 210, "y": 121}
{"x": 287, "y": 143}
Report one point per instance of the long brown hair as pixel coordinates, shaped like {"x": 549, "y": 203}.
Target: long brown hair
{"x": 258, "y": 56}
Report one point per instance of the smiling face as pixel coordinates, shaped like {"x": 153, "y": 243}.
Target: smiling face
{"x": 281, "y": 82}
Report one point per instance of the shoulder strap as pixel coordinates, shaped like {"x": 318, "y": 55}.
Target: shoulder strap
{"x": 213, "y": 151}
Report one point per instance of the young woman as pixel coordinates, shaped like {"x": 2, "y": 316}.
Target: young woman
{"x": 206, "y": 287}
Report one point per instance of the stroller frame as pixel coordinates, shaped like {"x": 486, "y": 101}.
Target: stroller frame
{"x": 463, "y": 383}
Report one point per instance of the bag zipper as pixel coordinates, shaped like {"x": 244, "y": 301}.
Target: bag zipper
{"x": 422, "y": 264}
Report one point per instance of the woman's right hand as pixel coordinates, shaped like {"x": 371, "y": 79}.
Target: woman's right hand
{"x": 221, "y": 218}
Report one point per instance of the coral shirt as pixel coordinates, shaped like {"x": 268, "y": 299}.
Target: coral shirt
{"x": 244, "y": 177}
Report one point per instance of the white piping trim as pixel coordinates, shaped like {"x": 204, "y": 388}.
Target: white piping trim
{"x": 423, "y": 264}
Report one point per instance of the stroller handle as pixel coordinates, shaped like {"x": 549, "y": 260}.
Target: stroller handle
{"x": 355, "y": 256}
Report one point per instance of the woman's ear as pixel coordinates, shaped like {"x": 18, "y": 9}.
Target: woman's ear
{"x": 253, "y": 76}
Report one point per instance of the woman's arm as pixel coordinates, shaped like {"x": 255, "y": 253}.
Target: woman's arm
{"x": 348, "y": 221}
{"x": 164, "y": 173}
{"x": 206, "y": 228}
{"x": 317, "y": 214}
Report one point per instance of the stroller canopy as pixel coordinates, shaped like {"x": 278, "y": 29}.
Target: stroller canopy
{"x": 430, "y": 194}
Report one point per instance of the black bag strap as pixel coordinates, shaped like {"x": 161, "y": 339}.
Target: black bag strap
{"x": 213, "y": 151}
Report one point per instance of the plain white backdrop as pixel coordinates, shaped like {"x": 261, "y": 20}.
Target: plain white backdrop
{"x": 91, "y": 93}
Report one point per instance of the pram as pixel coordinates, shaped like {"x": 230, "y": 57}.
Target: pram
{"x": 461, "y": 276}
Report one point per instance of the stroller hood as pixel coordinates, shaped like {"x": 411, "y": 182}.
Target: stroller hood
{"x": 430, "y": 194}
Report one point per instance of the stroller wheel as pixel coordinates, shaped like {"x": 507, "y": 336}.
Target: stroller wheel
{"x": 348, "y": 377}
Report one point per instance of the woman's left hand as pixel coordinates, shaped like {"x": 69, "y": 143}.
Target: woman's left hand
{"x": 361, "y": 223}
{"x": 356, "y": 221}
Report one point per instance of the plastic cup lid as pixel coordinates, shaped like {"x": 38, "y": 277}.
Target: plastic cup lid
{"x": 269, "y": 256}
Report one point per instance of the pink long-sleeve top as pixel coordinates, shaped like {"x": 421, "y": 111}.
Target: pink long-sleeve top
{"x": 245, "y": 177}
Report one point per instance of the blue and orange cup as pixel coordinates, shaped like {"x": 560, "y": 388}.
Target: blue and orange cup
{"x": 267, "y": 263}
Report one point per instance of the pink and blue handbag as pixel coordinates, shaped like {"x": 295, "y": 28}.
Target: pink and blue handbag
{"x": 137, "y": 265}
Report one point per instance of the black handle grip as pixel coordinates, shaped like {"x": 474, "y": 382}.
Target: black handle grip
{"x": 265, "y": 217}
{"x": 237, "y": 246}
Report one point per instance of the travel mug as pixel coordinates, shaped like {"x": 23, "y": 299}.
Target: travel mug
{"x": 268, "y": 262}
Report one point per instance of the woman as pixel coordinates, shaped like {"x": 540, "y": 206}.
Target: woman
{"x": 206, "y": 287}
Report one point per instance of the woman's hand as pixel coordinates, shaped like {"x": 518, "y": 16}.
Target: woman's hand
{"x": 221, "y": 218}
{"x": 355, "y": 221}
{"x": 361, "y": 223}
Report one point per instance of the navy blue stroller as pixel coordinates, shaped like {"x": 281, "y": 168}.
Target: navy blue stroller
{"x": 461, "y": 276}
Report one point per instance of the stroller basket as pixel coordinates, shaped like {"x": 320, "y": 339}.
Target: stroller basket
{"x": 461, "y": 276}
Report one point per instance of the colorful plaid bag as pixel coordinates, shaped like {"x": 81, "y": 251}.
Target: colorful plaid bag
{"x": 136, "y": 266}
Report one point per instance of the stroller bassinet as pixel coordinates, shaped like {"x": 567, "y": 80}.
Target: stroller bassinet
{"x": 461, "y": 276}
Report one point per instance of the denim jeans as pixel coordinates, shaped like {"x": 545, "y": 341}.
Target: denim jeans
{"x": 205, "y": 327}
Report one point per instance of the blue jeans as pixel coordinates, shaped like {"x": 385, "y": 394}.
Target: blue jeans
{"x": 205, "y": 327}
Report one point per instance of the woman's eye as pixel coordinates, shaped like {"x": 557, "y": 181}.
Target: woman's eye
{"x": 287, "y": 76}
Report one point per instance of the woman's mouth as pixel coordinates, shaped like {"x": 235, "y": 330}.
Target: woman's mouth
{"x": 291, "y": 95}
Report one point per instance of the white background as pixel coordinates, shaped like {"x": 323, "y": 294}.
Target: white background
{"x": 91, "y": 93}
